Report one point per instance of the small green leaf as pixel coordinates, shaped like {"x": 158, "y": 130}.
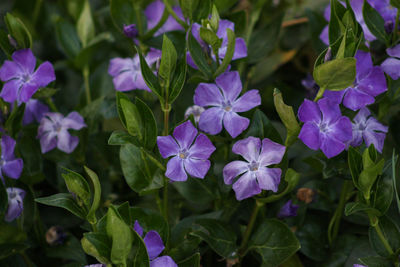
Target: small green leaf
{"x": 14, "y": 122}
{"x": 149, "y": 127}
{"x": 230, "y": 50}
{"x": 354, "y": 207}
{"x": 140, "y": 257}
{"x": 262, "y": 127}
{"x": 355, "y": 164}
{"x": 375, "y": 262}
{"x": 192, "y": 261}
{"x": 149, "y": 77}
{"x": 198, "y": 55}
{"x": 18, "y": 31}
{"x": 91, "y": 217}
{"x": 336, "y": 74}
{"x": 374, "y": 22}
{"x": 132, "y": 118}
{"x": 77, "y": 184}
{"x": 382, "y": 194}
{"x": 168, "y": 62}
{"x": 336, "y": 27}
{"x": 189, "y": 8}
{"x": 97, "y": 245}
{"x": 211, "y": 38}
{"x": 67, "y": 38}
{"x": 85, "y": 25}
{"x": 370, "y": 172}
{"x": 65, "y": 201}
{"x": 179, "y": 80}
{"x": 5, "y": 43}
{"x": 119, "y": 138}
{"x": 45, "y": 92}
{"x": 122, "y": 13}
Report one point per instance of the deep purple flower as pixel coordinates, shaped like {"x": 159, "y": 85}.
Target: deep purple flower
{"x": 130, "y": 31}
{"x": 240, "y": 44}
{"x": 370, "y": 82}
{"x": 195, "y": 111}
{"x": 369, "y": 129}
{"x": 288, "y": 210}
{"x": 9, "y": 165}
{"x": 222, "y": 98}
{"x": 255, "y": 175}
{"x": 186, "y": 156}
{"x": 126, "y": 72}
{"x": 154, "y": 246}
{"x": 324, "y": 127}
{"x": 392, "y": 64}
{"x": 53, "y": 131}
{"x": 34, "y": 111}
{"x": 154, "y": 13}
{"x": 21, "y": 79}
{"x": 15, "y": 203}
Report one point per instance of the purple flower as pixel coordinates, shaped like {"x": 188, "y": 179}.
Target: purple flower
{"x": 130, "y": 31}
{"x": 255, "y": 175}
{"x": 288, "y": 210}
{"x": 126, "y": 72}
{"x": 15, "y": 203}
{"x": 359, "y": 265}
{"x": 222, "y": 97}
{"x": 154, "y": 246}
{"x": 9, "y": 165}
{"x": 96, "y": 265}
{"x": 370, "y": 82}
{"x": 34, "y": 111}
{"x": 195, "y": 111}
{"x": 367, "y": 128}
{"x": 186, "y": 156}
{"x": 21, "y": 79}
{"x": 53, "y": 131}
{"x": 392, "y": 64}
{"x": 240, "y": 44}
{"x": 324, "y": 127}
{"x": 154, "y": 13}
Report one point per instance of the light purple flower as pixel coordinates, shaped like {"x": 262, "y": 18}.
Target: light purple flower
{"x": 222, "y": 98}
{"x": 154, "y": 246}
{"x": 369, "y": 129}
{"x": 392, "y": 64}
{"x": 370, "y": 82}
{"x": 126, "y": 72}
{"x": 186, "y": 156}
{"x": 96, "y": 265}
{"x": 195, "y": 111}
{"x": 255, "y": 175}
{"x": 240, "y": 44}
{"x": 15, "y": 203}
{"x": 324, "y": 127}
{"x": 53, "y": 131}
{"x": 34, "y": 111}
{"x": 288, "y": 210}
{"x": 21, "y": 79}
{"x": 9, "y": 165}
{"x": 359, "y": 265}
{"x": 154, "y": 13}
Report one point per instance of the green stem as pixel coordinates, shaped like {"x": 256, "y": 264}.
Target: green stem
{"x": 50, "y": 102}
{"x": 320, "y": 94}
{"x": 249, "y": 229}
{"x": 173, "y": 14}
{"x": 381, "y": 236}
{"x": 85, "y": 73}
{"x": 166, "y": 109}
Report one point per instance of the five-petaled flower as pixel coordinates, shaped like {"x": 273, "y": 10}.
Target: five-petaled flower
{"x": 21, "y": 79}
{"x": 391, "y": 65}
{"x": 255, "y": 175}
{"x": 15, "y": 203}
{"x": 222, "y": 98}
{"x": 9, "y": 165}
{"x": 187, "y": 156}
{"x": 126, "y": 72}
{"x": 324, "y": 127}
{"x": 369, "y": 129}
{"x": 154, "y": 13}
{"x": 154, "y": 246}
{"x": 53, "y": 131}
{"x": 288, "y": 210}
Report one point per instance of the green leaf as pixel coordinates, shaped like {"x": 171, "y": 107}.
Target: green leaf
{"x": 375, "y": 262}
{"x": 140, "y": 257}
{"x": 168, "y": 63}
{"x": 211, "y": 38}
{"x": 203, "y": 10}
{"x": 149, "y": 77}
{"x": 230, "y": 50}
{"x": 390, "y": 233}
{"x": 382, "y": 195}
{"x": 85, "y": 25}
{"x": 18, "y": 31}
{"x": 5, "y": 43}
{"x": 149, "y": 124}
{"x": 354, "y": 207}
{"x": 91, "y": 217}
{"x": 65, "y": 201}
{"x": 395, "y": 3}
{"x": 179, "y": 80}
{"x": 119, "y": 138}
{"x": 7, "y": 250}
{"x": 370, "y": 172}
{"x": 374, "y": 22}
{"x": 192, "y": 261}
{"x": 189, "y": 8}
{"x": 216, "y": 234}
{"x": 122, "y": 13}
{"x": 3, "y": 200}
{"x": 45, "y": 92}
{"x": 77, "y": 184}
{"x": 274, "y": 241}
{"x": 132, "y": 118}
{"x": 198, "y": 55}
{"x": 394, "y": 178}
{"x": 14, "y": 122}
{"x": 121, "y": 236}
{"x": 336, "y": 27}
{"x": 336, "y": 74}
{"x": 119, "y": 96}
{"x": 262, "y": 127}
{"x": 97, "y": 245}
{"x": 67, "y": 38}
{"x": 355, "y": 164}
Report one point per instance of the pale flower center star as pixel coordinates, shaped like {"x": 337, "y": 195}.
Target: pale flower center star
{"x": 26, "y": 77}
{"x": 227, "y": 106}
{"x": 324, "y": 127}
{"x": 183, "y": 154}
{"x": 253, "y": 166}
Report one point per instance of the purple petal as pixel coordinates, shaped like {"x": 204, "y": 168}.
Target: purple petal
{"x": 391, "y": 66}
{"x": 175, "y": 170}
{"x": 246, "y": 186}
{"x": 7, "y": 147}
{"x": 248, "y": 148}
{"x": 152, "y": 56}
{"x": 330, "y": 111}
{"x": 362, "y": 115}
{"x": 10, "y": 70}
{"x": 138, "y": 229}
{"x": 309, "y": 111}
{"x": 15, "y": 203}
{"x": 355, "y": 99}
{"x": 374, "y": 83}
{"x": 342, "y": 129}
{"x": 234, "y": 169}
{"x": 235, "y": 124}
{"x": 288, "y": 210}
{"x": 167, "y": 146}
{"x": 154, "y": 244}
{"x": 247, "y": 101}
{"x": 189, "y": 61}
{"x": 269, "y": 179}
{"x": 34, "y": 110}
{"x": 207, "y": 94}
{"x": 185, "y": 134}
{"x": 394, "y": 51}
{"x": 240, "y": 49}
{"x": 13, "y": 168}
{"x": 125, "y": 81}
{"x": 164, "y": 261}
{"x": 375, "y": 138}
{"x": 25, "y": 59}
{"x": 73, "y": 121}
{"x": 223, "y": 25}
{"x": 335, "y": 97}
{"x": 271, "y": 152}
{"x": 357, "y": 137}
{"x": 197, "y": 167}
{"x": 230, "y": 84}
{"x": 153, "y": 13}
{"x": 44, "y": 74}
{"x": 202, "y": 148}
{"x": 363, "y": 63}
{"x": 10, "y": 90}
{"x": 118, "y": 65}
{"x": 66, "y": 142}
{"x": 374, "y": 125}
{"x": 211, "y": 120}
{"x": 48, "y": 141}
{"x": 27, "y": 91}
{"x": 331, "y": 146}
{"x": 309, "y": 134}
{"x": 324, "y": 36}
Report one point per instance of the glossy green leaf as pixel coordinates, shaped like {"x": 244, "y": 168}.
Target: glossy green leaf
{"x": 67, "y": 38}
{"x": 118, "y": 138}
{"x": 395, "y": 3}
{"x": 14, "y": 122}
{"x": 85, "y": 25}
{"x": 370, "y": 172}
{"x": 336, "y": 27}
{"x": 140, "y": 257}
{"x": 374, "y": 22}
{"x": 211, "y": 38}
{"x": 119, "y": 96}
{"x": 198, "y": 55}
{"x": 355, "y": 164}
{"x": 168, "y": 63}
{"x": 97, "y": 245}
{"x": 178, "y": 81}
{"x": 262, "y": 127}
{"x": 132, "y": 118}
{"x": 354, "y": 207}
{"x": 65, "y": 201}
{"x": 5, "y": 45}
{"x": 230, "y": 50}
{"x": 91, "y": 217}
{"x": 77, "y": 184}
{"x": 375, "y": 262}
{"x": 18, "y": 31}
{"x": 382, "y": 195}
{"x": 203, "y": 10}
{"x": 274, "y": 241}
{"x": 336, "y": 74}
{"x": 149, "y": 127}
{"x": 391, "y": 234}
{"x": 192, "y": 261}
{"x": 149, "y": 77}
{"x": 189, "y": 8}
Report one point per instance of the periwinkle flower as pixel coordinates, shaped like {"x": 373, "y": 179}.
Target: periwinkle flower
{"x": 392, "y": 64}
{"x": 224, "y": 102}
{"x": 53, "y": 131}
{"x": 9, "y": 165}
{"x": 34, "y": 111}
{"x": 187, "y": 157}
{"x": 369, "y": 129}
{"x": 288, "y": 210}
{"x": 195, "y": 111}
{"x": 21, "y": 79}
{"x": 154, "y": 13}
{"x": 126, "y": 72}
{"x": 324, "y": 127}
{"x": 370, "y": 82}
{"x": 130, "y": 31}
{"x": 15, "y": 203}
{"x": 254, "y": 173}
{"x": 154, "y": 246}
{"x": 359, "y": 265}
{"x": 96, "y": 265}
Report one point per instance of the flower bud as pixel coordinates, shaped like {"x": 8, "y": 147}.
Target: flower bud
{"x": 328, "y": 55}
{"x": 130, "y": 31}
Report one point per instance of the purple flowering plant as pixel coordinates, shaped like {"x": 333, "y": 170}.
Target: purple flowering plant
{"x": 201, "y": 169}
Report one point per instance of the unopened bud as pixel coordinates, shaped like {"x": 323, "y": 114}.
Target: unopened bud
{"x": 389, "y": 26}
{"x": 12, "y": 41}
{"x": 305, "y": 194}
{"x": 130, "y": 31}
{"x": 328, "y": 55}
